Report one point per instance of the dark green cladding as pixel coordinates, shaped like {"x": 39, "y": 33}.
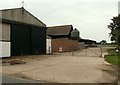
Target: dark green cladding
{"x": 38, "y": 41}
{"x": 27, "y": 40}
{"x": 20, "y": 40}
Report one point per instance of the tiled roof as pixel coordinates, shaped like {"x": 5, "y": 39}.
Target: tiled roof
{"x": 59, "y": 30}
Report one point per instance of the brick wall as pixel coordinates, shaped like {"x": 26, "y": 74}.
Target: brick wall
{"x": 66, "y": 44}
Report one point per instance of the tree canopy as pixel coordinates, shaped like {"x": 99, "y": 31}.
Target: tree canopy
{"x": 103, "y": 42}
{"x": 115, "y": 29}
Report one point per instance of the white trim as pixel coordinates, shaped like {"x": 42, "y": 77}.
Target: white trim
{"x": 48, "y": 46}
{"x": 5, "y": 49}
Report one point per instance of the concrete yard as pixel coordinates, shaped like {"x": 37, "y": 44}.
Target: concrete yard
{"x": 84, "y": 67}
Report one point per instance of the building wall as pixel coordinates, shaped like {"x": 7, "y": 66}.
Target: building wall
{"x": 5, "y": 49}
{"x": 23, "y": 34}
{"x": 5, "y": 43}
{"x": 5, "y": 32}
{"x": 22, "y": 16}
{"x": 20, "y": 40}
{"x": 48, "y": 46}
{"x": 67, "y": 45}
{"x": 38, "y": 40}
{"x": 27, "y": 40}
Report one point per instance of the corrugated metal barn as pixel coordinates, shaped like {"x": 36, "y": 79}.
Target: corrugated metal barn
{"x": 22, "y": 33}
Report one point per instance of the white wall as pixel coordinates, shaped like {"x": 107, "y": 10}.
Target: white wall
{"x": 4, "y": 49}
{"x": 0, "y": 31}
{"x": 48, "y": 46}
{"x": 4, "y": 40}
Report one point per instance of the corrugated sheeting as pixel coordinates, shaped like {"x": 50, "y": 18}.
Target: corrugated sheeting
{"x": 21, "y": 33}
{"x": 21, "y": 15}
{"x": 20, "y": 39}
{"x": 38, "y": 40}
{"x": 5, "y": 40}
{"x": 27, "y": 40}
{"x": 5, "y": 32}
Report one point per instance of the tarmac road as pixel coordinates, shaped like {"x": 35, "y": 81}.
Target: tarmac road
{"x": 11, "y": 79}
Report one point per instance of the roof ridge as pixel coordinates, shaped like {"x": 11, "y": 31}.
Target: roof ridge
{"x": 11, "y": 9}
{"x": 22, "y": 8}
{"x": 59, "y": 26}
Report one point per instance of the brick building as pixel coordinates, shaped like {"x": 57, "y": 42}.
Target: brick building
{"x": 61, "y": 38}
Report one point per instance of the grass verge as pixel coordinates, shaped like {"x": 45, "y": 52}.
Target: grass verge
{"x": 113, "y": 57}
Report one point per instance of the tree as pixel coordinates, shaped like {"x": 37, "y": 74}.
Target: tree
{"x": 115, "y": 30}
{"x": 103, "y": 42}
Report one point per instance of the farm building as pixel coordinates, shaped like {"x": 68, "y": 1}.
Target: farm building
{"x": 22, "y": 33}
{"x": 62, "y": 39}
{"x": 88, "y": 42}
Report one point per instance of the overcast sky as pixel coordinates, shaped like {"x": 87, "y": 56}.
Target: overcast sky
{"x": 90, "y": 17}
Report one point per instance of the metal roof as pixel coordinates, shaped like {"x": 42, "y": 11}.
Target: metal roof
{"x": 59, "y": 30}
{"x": 20, "y": 15}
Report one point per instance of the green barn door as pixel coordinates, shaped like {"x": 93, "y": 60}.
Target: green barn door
{"x": 20, "y": 40}
{"x": 38, "y": 40}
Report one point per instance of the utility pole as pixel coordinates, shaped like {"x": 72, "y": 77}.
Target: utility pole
{"x": 101, "y": 50}
{"x": 73, "y": 47}
{"x": 86, "y": 51}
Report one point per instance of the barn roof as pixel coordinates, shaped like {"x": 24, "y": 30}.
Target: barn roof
{"x": 59, "y": 30}
{"x": 20, "y": 15}
{"x": 86, "y": 40}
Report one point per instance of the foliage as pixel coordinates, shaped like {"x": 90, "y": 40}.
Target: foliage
{"x": 115, "y": 30}
{"x": 113, "y": 57}
{"x": 103, "y": 42}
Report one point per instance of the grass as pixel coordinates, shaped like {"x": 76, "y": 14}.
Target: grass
{"x": 113, "y": 57}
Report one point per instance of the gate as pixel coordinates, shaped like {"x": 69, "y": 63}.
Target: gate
{"x": 89, "y": 52}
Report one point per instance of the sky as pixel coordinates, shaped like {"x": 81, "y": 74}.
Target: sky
{"x": 90, "y": 17}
